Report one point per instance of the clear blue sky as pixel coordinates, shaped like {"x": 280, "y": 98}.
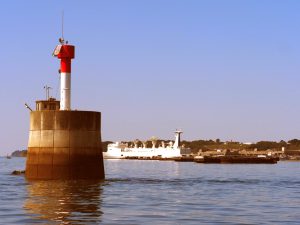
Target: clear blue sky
{"x": 216, "y": 69}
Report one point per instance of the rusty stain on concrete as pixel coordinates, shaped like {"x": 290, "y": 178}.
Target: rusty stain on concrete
{"x": 64, "y": 145}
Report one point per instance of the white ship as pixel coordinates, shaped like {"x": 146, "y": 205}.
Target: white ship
{"x": 119, "y": 150}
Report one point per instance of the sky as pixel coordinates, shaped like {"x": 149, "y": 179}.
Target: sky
{"x": 215, "y": 69}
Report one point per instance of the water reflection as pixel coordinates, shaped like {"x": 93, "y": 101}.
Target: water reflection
{"x": 65, "y": 202}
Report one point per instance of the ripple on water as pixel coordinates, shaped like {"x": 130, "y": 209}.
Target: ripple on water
{"x": 153, "y": 192}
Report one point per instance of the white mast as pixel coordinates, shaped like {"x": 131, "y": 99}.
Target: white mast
{"x": 177, "y": 138}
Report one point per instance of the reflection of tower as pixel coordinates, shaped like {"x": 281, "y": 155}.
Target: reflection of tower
{"x": 177, "y": 138}
{"x": 64, "y": 202}
{"x": 64, "y": 143}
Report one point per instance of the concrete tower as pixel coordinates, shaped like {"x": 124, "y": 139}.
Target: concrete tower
{"x": 64, "y": 144}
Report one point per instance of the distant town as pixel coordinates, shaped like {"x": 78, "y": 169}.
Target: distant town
{"x": 287, "y": 149}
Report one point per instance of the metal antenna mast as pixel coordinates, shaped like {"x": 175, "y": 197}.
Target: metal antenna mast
{"x": 61, "y": 39}
{"x": 47, "y": 89}
{"x": 62, "y": 25}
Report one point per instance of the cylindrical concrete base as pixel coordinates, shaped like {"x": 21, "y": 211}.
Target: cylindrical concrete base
{"x": 64, "y": 145}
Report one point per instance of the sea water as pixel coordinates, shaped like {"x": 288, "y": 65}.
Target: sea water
{"x": 156, "y": 192}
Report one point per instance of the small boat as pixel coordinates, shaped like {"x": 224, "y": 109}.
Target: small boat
{"x": 184, "y": 159}
{"x": 199, "y": 159}
{"x": 8, "y": 157}
{"x": 235, "y": 157}
{"x": 250, "y": 159}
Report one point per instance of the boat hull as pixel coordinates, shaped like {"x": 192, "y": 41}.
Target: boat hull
{"x": 238, "y": 160}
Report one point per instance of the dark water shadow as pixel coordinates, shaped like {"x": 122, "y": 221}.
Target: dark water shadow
{"x": 64, "y": 202}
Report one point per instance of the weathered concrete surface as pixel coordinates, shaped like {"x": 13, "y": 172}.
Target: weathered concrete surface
{"x": 64, "y": 145}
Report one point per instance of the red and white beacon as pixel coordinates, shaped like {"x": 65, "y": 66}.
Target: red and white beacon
{"x": 65, "y": 53}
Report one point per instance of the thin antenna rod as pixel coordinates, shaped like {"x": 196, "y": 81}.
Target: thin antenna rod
{"x": 62, "y": 25}
{"x": 47, "y": 89}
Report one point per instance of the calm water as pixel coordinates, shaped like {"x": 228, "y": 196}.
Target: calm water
{"x": 156, "y": 192}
